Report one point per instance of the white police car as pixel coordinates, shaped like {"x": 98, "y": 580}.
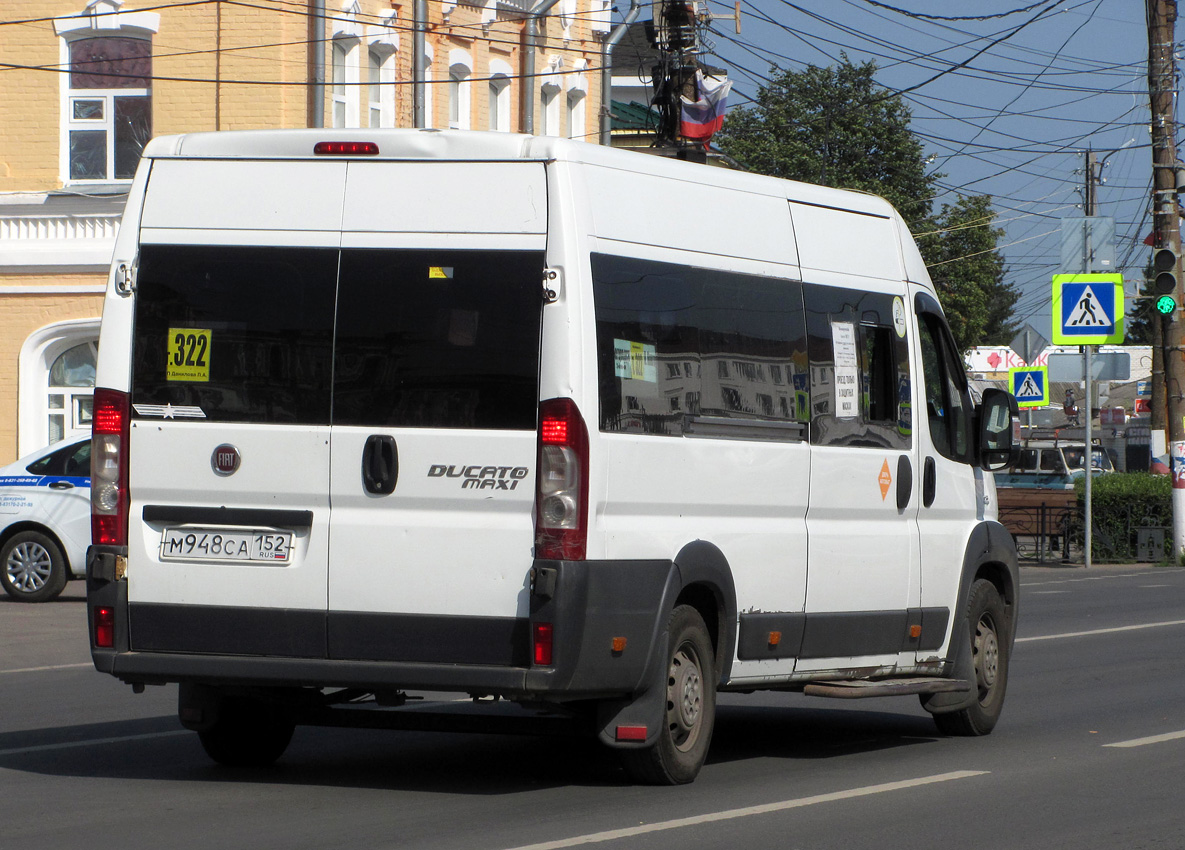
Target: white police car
{"x": 45, "y": 520}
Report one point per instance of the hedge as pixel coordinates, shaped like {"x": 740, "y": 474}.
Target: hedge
{"x": 1121, "y": 503}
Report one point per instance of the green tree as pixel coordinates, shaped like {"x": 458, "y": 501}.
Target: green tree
{"x": 836, "y": 127}
{"x": 968, "y": 271}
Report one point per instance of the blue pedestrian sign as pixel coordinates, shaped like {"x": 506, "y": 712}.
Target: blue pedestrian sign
{"x": 1030, "y": 386}
{"x": 1087, "y": 309}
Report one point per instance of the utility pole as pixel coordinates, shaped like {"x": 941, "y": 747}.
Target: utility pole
{"x": 1162, "y": 90}
{"x": 1088, "y": 249}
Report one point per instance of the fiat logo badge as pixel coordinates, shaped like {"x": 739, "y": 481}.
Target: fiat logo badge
{"x": 226, "y": 459}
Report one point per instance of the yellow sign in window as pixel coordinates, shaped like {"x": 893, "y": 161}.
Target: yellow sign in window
{"x": 188, "y": 357}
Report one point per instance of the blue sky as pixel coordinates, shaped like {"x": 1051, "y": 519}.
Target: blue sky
{"x": 1005, "y": 106}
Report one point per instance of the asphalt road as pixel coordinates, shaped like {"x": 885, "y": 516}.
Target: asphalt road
{"x": 1090, "y": 753}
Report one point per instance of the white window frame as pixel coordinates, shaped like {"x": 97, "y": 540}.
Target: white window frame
{"x": 576, "y": 103}
{"x": 499, "y": 92}
{"x": 550, "y": 114}
{"x": 382, "y": 43}
{"x": 429, "y": 86}
{"x": 460, "y": 106}
{"x": 99, "y": 18}
{"x": 37, "y": 355}
{"x": 346, "y": 76}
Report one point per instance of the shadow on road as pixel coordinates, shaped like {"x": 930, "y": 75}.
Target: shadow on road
{"x": 159, "y": 749}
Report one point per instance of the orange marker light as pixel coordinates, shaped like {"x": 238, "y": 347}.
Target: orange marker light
{"x": 915, "y": 632}
{"x": 775, "y": 638}
{"x": 619, "y": 644}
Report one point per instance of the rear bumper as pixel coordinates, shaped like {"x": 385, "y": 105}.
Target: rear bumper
{"x": 588, "y": 604}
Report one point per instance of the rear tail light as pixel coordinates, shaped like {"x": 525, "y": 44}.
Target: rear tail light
{"x": 543, "y": 644}
{"x": 109, "y": 469}
{"x": 105, "y": 627}
{"x": 561, "y": 499}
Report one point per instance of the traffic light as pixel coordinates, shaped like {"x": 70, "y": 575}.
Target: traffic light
{"x": 1164, "y": 266}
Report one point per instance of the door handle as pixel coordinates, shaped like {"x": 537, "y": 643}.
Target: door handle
{"x": 61, "y": 485}
{"x": 928, "y": 482}
{"x": 380, "y": 464}
{"x": 904, "y": 482}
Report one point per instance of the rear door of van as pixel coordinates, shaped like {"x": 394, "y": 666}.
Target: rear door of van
{"x": 435, "y": 404}
{"x": 230, "y": 407}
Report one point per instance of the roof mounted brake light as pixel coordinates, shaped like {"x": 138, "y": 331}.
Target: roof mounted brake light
{"x": 346, "y": 149}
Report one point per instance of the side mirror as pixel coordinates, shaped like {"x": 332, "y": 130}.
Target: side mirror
{"x": 999, "y": 430}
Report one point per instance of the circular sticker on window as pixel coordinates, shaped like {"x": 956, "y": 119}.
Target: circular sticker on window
{"x": 899, "y": 316}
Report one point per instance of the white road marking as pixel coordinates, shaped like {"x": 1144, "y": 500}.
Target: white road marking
{"x": 730, "y": 814}
{"x": 90, "y": 664}
{"x": 1151, "y": 739}
{"x": 92, "y": 742}
{"x": 1157, "y": 571}
{"x": 1103, "y": 631}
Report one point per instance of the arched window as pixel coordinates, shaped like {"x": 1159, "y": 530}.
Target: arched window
{"x": 576, "y": 101}
{"x": 56, "y": 379}
{"x": 382, "y": 45}
{"x": 459, "y": 72}
{"x": 576, "y": 106}
{"x": 499, "y": 91}
{"x": 71, "y": 391}
{"x": 549, "y": 98}
{"x": 347, "y": 39}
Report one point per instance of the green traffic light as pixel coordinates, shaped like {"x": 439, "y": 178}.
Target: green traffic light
{"x": 1165, "y": 304}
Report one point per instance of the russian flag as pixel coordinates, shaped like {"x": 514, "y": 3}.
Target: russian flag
{"x": 700, "y": 119}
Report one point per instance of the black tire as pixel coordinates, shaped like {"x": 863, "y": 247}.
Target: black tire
{"x": 690, "y": 685}
{"x": 247, "y": 734}
{"x": 991, "y": 643}
{"x": 32, "y": 567}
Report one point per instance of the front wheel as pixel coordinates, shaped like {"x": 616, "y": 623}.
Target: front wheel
{"x": 990, "y": 650}
{"x": 33, "y": 567}
{"x": 690, "y": 716}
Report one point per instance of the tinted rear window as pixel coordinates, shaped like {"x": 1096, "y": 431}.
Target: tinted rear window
{"x": 423, "y": 338}
{"x": 266, "y": 315}
{"x": 438, "y": 339}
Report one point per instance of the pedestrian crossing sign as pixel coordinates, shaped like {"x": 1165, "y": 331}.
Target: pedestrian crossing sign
{"x": 1087, "y": 309}
{"x": 1030, "y": 386}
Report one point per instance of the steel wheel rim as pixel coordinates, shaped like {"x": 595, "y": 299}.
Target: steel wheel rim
{"x": 685, "y": 698}
{"x": 29, "y": 566}
{"x": 987, "y": 656}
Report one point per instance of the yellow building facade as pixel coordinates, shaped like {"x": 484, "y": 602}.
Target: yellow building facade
{"x": 88, "y": 82}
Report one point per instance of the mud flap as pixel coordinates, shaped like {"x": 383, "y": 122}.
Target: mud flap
{"x": 964, "y": 668}
{"x": 647, "y": 709}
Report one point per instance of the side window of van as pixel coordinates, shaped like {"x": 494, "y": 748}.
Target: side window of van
{"x": 948, "y": 404}
{"x": 677, "y": 341}
{"x": 859, "y": 360}
{"x": 243, "y": 333}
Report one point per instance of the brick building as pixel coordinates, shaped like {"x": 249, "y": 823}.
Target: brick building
{"x": 88, "y": 82}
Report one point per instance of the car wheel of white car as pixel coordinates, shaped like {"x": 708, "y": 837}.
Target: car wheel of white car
{"x": 33, "y": 567}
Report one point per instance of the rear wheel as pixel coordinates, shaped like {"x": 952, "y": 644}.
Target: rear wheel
{"x": 247, "y": 733}
{"x": 34, "y": 569}
{"x": 690, "y": 716}
{"x": 990, "y": 652}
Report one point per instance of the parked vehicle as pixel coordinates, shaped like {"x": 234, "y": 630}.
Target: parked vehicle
{"x": 1053, "y": 465}
{"x": 45, "y": 520}
{"x": 384, "y": 411}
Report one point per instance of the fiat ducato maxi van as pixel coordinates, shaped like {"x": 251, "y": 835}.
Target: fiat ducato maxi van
{"x": 599, "y": 433}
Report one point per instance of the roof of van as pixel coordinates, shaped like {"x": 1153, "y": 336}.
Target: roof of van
{"x": 492, "y": 146}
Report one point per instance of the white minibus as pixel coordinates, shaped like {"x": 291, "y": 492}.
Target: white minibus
{"x": 382, "y": 412}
